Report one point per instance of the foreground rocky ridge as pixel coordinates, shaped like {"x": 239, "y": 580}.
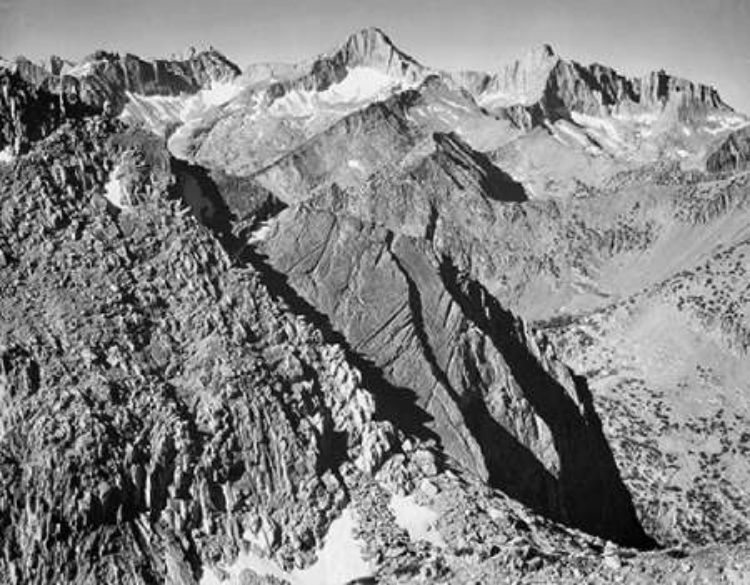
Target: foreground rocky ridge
{"x": 135, "y": 448}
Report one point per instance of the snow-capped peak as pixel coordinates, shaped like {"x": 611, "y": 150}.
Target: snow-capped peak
{"x": 371, "y": 47}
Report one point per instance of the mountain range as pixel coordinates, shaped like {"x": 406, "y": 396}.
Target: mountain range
{"x": 457, "y": 326}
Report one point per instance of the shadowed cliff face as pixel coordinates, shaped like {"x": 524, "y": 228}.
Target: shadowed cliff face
{"x": 499, "y": 405}
{"x": 445, "y": 360}
{"x": 592, "y": 494}
{"x": 35, "y": 101}
{"x": 108, "y": 77}
{"x": 29, "y": 113}
{"x": 732, "y": 154}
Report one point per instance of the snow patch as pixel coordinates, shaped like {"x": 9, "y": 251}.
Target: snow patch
{"x": 723, "y": 122}
{"x": 456, "y": 105}
{"x": 6, "y": 156}
{"x": 297, "y": 104}
{"x": 644, "y": 118}
{"x": 80, "y": 70}
{"x": 115, "y": 191}
{"x": 419, "y": 521}
{"x": 260, "y": 234}
{"x": 499, "y": 100}
{"x": 573, "y": 133}
{"x": 597, "y": 123}
{"x": 157, "y": 112}
{"x": 220, "y": 92}
{"x": 340, "y": 561}
{"x": 356, "y": 165}
{"x": 494, "y": 513}
{"x": 361, "y": 85}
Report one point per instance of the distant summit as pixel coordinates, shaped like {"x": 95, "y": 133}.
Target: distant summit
{"x": 538, "y": 89}
{"x": 549, "y": 87}
{"x": 521, "y": 82}
{"x": 371, "y": 47}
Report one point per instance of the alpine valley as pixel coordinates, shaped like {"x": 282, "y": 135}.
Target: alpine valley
{"x": 357, "y": 319}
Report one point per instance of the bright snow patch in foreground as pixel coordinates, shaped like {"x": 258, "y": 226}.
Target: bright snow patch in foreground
{"x": 114, "y": 190}
{"x": 6, "y": 156}
{"x": 339, "y": 561}
{"x": 418, "y": 521}
{"x": 261, "y": 233}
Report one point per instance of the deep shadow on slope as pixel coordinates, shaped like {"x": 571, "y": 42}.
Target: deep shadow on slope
{"x": 211, "y": 206}
{"x": 512, "y": 467}
{"x": 594, "y": 495}
{"x": 198, "y": 190}
{"x": 397, "y": 405}
{"x": 494, "y": 183}
{"x": 588, "y": 494}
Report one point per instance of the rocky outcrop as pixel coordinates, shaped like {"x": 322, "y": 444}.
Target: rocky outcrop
{"x": 108, "y": 441}
{"x": 521, "y": 82}
{"x": 29, "y": 112}
{"x": 105, "y": 78}
{"x": 35, "y": 100}
{"x": 733, "y": 154}
{"x": 468, "y": 365}
{"x": 558, "y": 87}
{"x": 370, "y": 48}
{"x": 377, "y": 136}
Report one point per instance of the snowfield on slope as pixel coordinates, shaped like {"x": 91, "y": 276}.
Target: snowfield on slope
{"x": 360, "y": 86}
{"x": 158, "y": 112}
{"x": 6, "y": 155}
{"x": 419, "y": 521}
{"x": 115, "y": 191}
{"x": 340, "y": 561}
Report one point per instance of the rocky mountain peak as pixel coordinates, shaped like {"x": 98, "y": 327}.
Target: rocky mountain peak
{"x": 552, "y": 88}
{"x": 660, "y": 86}
{"x": 367, "y": 42}
{"x": 371, "y": 47}
{"x": 539, "y": 55}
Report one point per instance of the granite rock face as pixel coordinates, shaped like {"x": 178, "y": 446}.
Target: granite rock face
{"x": 491, "y": 390}
{"x": 104, "y": 77}
{"x": 733, "y": 154}
{"x": 156, "y": 401}
{"x": 369, "y": 48}
{"x": 29, "y": 113}
{"x": 37, "y": 99}
{"x": 543, "y": 82}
